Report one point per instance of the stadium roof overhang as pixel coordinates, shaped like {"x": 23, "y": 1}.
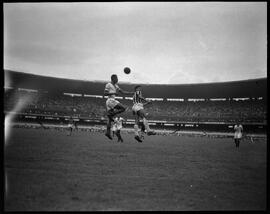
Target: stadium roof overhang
{"x": 245, "y": 88}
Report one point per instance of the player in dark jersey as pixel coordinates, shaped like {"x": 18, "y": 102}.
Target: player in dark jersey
{"x": 138, "y": 111}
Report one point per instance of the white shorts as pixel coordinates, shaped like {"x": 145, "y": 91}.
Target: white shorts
{"x": 70, "y": 126}
{"x": 137, "y": 107}
{"x": 111, "y": 103}
{"x": 237, "y": 135}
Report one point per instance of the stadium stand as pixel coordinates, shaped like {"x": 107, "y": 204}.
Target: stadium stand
{"x": 218, "y": 105}
{"x": 94, "y": 108}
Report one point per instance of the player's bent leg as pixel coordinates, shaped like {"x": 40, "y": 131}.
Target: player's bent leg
{"x": 110, "y": 114}
{"x": 141, "y": 114}
{"x": 119, "y": 108}
{"x": 136, "y": 130}
{"x": 142, "y": 127}
{"x": 145, "y": 122}
{"x": 108, "y": 131}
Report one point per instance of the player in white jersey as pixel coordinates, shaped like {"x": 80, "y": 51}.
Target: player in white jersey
{"x": 114, "y": 127}
{"x": 238, "y": 128}
{"x": 138, "y": 111}
{"x": 119, "y": 126}
{"x": 113, "y": 106}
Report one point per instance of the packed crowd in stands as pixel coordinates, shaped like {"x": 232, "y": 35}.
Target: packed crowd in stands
{"x": 90, "y": 107}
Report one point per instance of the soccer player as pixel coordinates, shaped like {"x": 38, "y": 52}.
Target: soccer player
{"x": 119, "y": 125}
{"x": 138, "y": 111}
{"x": 71, "y": 125}
{"x": 238, "y": 128}
{"x": 114, "y": 126}
{"x": 113, "y": 106}
{"x": 143, "y": 131}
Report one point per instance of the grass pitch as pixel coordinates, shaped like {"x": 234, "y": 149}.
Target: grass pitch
{"x": 46, "y": 170}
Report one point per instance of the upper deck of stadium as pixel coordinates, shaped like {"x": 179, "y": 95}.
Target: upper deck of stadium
{"x": 244, "y": 88}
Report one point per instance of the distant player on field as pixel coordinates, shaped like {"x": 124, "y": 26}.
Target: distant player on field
{"x": 113, "y": 106}
{"x": 71, "y": 125}
{"x": 119, "y": 126}
{"x": 114, "y": 127}
{"x": 238, "y": 132}
{"x": 138, "y": 111}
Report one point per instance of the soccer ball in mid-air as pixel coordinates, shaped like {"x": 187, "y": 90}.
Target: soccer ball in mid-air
{"x": 127, "y": 70}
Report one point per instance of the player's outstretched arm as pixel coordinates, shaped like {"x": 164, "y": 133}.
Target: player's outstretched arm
{"x": 125, "y": 92}
{"x": 147, "y": 102}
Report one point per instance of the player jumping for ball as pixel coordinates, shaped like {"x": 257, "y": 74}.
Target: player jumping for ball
{"x": 113, "y": 106}
{"x": 138, "y": 111}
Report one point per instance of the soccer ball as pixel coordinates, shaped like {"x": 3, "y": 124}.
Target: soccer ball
{"x": 127, "y": 70}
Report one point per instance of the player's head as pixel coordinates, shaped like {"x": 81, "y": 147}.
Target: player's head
{"x": 114, "y": 79}
{"x": 137, "y": 88}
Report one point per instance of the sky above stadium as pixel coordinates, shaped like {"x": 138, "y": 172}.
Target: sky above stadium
{"x": 162, "y": 42}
